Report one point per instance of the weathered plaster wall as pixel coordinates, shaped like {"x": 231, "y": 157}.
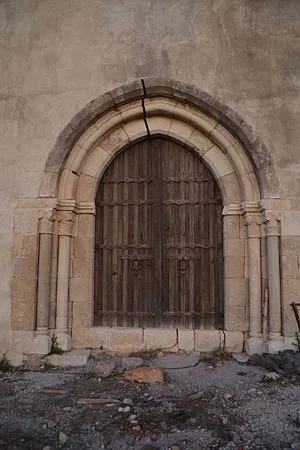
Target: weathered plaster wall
{"x": 58, "y": 55}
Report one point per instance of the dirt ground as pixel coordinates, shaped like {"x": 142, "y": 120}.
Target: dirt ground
{"x": 202, "y": 404}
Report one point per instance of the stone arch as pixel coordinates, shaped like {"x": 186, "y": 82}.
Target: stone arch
{"x": 237, "y": 158}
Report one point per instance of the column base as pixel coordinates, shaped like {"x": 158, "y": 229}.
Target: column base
{"x": 41, "y": 344}
{"x": 254, "y": 345}
{"x": 275, "y": 343}
{"x": 64, "y": 340}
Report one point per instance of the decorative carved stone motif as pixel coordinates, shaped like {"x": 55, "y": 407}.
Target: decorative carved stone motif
{"x": 253, "y": 222}
{"x": 45, "y": 225}
{"x": 272, "y": 223}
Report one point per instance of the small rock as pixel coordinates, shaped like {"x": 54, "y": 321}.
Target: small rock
{"x": 121, "y": 409}
{"x": 289, "y": 367}
{"x": 51, "y": 424}
{"x": 136, "y": 428}
{"x": 67, "y": 408}
{"x": 192, "y": 420}
{"x": 47, "y": 447}
{"x": 133, "y": 422}
{"x": 225, "y": 420}
{"x": 164, "y": 426}
{"x": 242, "y": 358}
{"x": 271, "y": 376}
{"x": 127, "y": 409}
{"x": 63, "y": 438}
{"x": 104, "y": 369}
{"x": 132, "y": 362}
{"x": 145, "y": 375}
{"x": 196, "y": 396}
{"x": 132, "y": 417}
{"x": 127, "y": 401}
{"x": 227, "y": 396}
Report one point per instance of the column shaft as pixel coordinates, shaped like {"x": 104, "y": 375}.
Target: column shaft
{"x": 274, "y": 286}
{"x": 255, "y": 287}
{"x": 44, "y": 282}
{"x": 63, "y": 284}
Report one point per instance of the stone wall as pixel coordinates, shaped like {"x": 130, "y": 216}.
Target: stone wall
{"x": 58, "y": 56}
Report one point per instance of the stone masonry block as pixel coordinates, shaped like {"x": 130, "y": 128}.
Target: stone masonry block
{"x": 81, "y": 289}
{"x": 86, "y": 225}
{"x": 236, "y": 292}
{"x": 23, "y": 316}
{"x": 23, "y": 290}
{"x": 83, "y": 313}
{"x": 156, "y": 338}
{"x": 186, "y": 340}
{"x": 231, "y": 226}
{"x": 125, "y": 340}
{"x": 234, "y": 341}
{"x": 230, "y": 186}
{"x": 207, "y": 340}
{"x": 96, "y": 337}
{"x": 234, "y": 267}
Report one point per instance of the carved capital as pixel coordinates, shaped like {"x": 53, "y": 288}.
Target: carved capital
{"x": 272, "y": 223}
{"x": 65, "y": 222}
{"x": 253, "y": 222}
{"x": 65, "y": 227}
{"x": 45, "y": 225}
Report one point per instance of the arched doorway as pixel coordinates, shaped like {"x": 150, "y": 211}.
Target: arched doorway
{"x": 158, "y": 240}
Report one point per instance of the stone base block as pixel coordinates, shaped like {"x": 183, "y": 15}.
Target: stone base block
{"x": 22, "y": 341}
{"x": 41, "y": 344}
{"x": 64, "y": 340}
{"x": 96, "y": 337}
{"x": 275, "y": 345}
{"x": 208, "y": 340}
{"x": 125, "y": 340}
{"x": 14, "y": 358}
{"x": 74, "y": 358}
{"x": 156, "y": 338}
{"x": 186, "y": 340}
{"x": 234, "y": 341}
{"x": 288, "y": 343}
{"x": 254, "y": 345}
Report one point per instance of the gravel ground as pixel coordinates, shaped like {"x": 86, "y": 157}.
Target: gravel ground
{"x": 213, "y": 405}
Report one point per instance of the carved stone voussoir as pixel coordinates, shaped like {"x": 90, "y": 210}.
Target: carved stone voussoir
{"x": 254, "y": 222}
{"x": 272, "y": 223}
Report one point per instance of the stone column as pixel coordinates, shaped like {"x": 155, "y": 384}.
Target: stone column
{"x": 53, "y": 278}
{"x": 64, "y": 247}
{"x": 272, "y": 222}
{"x": 255, "y": 342}
{"x": 42, "y": 340}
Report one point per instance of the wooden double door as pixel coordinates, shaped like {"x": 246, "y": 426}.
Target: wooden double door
{"x": 158, "y": 253}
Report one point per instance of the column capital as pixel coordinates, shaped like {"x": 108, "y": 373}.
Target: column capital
{"x": 65, "y": 227}
{"x": 45, "y": 224}
{"x": 65, "y": 221}
{"x": 272, "y": 223}
{"x": 253, "y": 222}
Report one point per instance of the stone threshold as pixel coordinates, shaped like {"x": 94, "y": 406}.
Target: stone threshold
{"x": 130, "y": 340}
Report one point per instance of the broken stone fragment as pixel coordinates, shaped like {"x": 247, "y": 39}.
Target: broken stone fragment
{"x": 271, "y": 376}
{"x": 145, "y": 375}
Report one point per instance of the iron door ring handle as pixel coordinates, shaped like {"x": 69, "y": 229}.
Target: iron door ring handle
{"x": 182, "y": 265}
{"x": 136, "y": 264}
